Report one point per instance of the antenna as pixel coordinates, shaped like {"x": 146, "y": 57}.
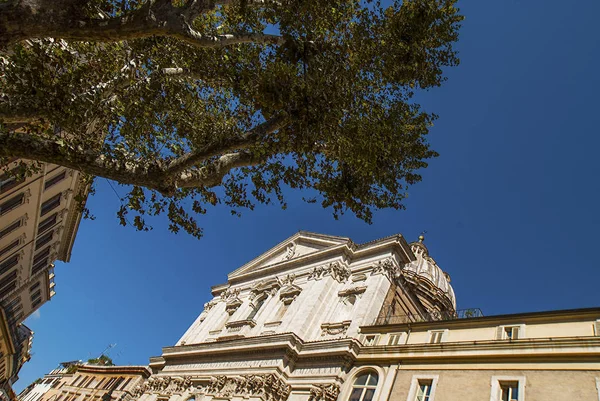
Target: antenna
{"x": 105, "y": 352}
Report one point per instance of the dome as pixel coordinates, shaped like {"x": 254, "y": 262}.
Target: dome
{"x": 431, "y": 282}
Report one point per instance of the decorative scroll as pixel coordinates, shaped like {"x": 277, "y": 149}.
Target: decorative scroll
{"x": 324, "y": 392}
{"x": 336, "y": 270}
{"x": 333, "y": 329}
{"x": 267, "y": 386}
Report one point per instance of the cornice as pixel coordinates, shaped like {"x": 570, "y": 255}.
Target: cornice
{"x": 287, "y": 343}
{"x": 127, "y": 369}
{"x": 546, "y": 347}
{"x": 72, "y": 220}
{"x": 490, "y": 321}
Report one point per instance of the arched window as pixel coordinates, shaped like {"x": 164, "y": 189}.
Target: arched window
{"x": 364, "y": 387}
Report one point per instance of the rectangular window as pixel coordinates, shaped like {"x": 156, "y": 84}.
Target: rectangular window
{"x": 47, "y": 223}
{"x": 12, "y": 203}
{"x": 6, "y": 290}
{"x": 511, "y": 332}
{"x": 50, "y": 204}
{"x": 436, "y": 337}
{"x": 11, "y": 179}
{"x": 41, "y": 255}
{"x": 508, "y": 388}
{"x": 36, "y": 294}
{"x": 371, "y": 340}
{"x": 55, "y": 180}
{"x": 43, "y": 240}
{"x": 9, "y": 264}
{"x": 424, "y": 390}
{"x": 8, "y": 279}
{"x": 34, "y": 287}
{"x": 41, "y": 265}
{"x": 509, "y": 391}
{"x": 11, "y": 228}
{"x": 394, "y": 339}
{"x": 9, "y": 247}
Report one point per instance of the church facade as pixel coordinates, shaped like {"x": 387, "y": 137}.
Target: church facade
{"x": 320, "y": 318}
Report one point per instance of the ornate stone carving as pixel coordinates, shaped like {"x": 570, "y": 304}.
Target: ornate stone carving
{"x": 290, "y": 251}
{"x": 338, "y": 272}
{"x": 269, "y": 387}
{"x": 334, "y": 269}
{"x": 264, "y": 288}
{"x": 209, "y": 305}
{"x": 230, "y": 293}
{"x": 287, "y": 280}
{"x": 232, "y": 305}
{"x": 324, "y": 392}
{"x": 334, "y": 329}
{"x": 317, "y": 273}
{"x": 164, "y": 385}
{"x": 386, "y": 266}
{"x": 289, "y": 293}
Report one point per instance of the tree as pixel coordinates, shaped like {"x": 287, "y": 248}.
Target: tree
{"x": 102, "y": 360}
{"x": 190, "y": 103}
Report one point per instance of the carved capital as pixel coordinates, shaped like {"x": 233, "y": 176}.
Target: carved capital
{"x": 324, "y": 392}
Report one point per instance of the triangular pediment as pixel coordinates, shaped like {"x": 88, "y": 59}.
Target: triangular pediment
{"x": 298, "y": 245}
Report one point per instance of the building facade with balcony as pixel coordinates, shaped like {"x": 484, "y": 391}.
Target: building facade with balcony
{"x": 320, "y": 318}
{"x": 39, "y": 217}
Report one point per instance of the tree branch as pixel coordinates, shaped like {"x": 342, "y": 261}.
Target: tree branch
{"x": 21, "y": 20}
{"x": 192, "y": 159}
{"x": 125, "y": 171}
{"x": 212, "y": 174}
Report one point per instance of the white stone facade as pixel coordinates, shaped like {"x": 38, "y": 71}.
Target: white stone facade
{"x": 287, "y": 325}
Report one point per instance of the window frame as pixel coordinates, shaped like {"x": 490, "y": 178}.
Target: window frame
{"x": 496, "y": 392}
{"x": 21, "y": 199}
{"x": 443, "y": 335}
{"x": 365, "y": 386}
{"x": 398, "y": 339}
{"x": 502, "y": 335}
{"x": 415, "y": 384}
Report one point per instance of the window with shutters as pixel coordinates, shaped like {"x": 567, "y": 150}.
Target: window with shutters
{"x": 436, "y": 336}
{"x": 371, "y": 340}
{"x": 422, "y": 388}
{"x": 394, "y": 338}
{"x": 511, "y": 332}
{"x": 508, "y": 388}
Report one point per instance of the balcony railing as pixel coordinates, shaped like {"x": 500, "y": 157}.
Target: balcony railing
{"x": 389, "y": 318}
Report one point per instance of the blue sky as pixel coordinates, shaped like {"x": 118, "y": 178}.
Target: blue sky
{"x": 510, "y": 207}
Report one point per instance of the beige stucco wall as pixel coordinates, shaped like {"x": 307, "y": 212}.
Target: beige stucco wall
{"x": 475, "y": 385}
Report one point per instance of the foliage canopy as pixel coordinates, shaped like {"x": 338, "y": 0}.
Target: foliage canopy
{"x": 190, "y": 103}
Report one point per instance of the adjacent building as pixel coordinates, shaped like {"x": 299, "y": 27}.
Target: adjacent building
{"x": 39, "y": 217}
{"x": 76, "y": 381}
{"x": 321, "y": 318}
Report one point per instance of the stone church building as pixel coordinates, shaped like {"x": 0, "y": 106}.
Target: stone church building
{"x": 320, "y": 318}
